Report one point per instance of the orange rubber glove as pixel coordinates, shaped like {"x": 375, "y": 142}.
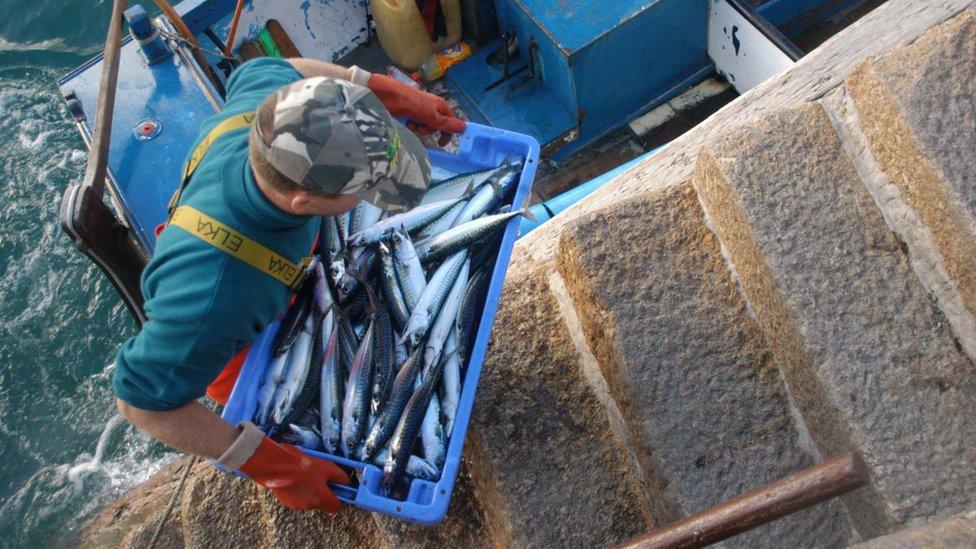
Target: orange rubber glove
{"x": 297, "y": 480}
{"x": 425, "y": 112}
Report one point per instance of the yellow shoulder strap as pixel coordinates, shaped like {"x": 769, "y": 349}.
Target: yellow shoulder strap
{"x": 227, "y": 125}
{"x": 232, "y": 242}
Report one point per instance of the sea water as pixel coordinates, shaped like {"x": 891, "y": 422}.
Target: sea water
{"x": 64, "y": 451}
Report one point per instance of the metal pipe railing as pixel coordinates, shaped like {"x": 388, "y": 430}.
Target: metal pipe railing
{"x": 783, "y": 497}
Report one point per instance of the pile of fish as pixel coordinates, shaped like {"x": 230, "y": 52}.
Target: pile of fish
{"x": 369, "y": 359}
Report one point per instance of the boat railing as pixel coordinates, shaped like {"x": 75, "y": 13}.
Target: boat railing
{"x": 85, "y": 215}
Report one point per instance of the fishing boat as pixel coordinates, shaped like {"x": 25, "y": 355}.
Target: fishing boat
{"x": 553, "y": 74}
{"x": 551, "y": 77}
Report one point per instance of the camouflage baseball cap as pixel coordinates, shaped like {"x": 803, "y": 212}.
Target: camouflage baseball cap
{"x": 335, "y": 137}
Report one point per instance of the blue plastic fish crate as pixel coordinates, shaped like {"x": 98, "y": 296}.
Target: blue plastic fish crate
{"x": 426, "y": 502}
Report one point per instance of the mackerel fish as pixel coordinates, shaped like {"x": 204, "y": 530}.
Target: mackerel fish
{"x": 429, "y": 304}
{"x": 302, "y": 436}
{"x": 439, "y": 225}
{"x": 391, "y": 288}
{"x": 406, "y": 221}
{"x": 403, "y": 387}
{"x": 301, "y": 384}
{"x": 331, "y": 396}
{"x": 364, "y": 215}
{"x": 409, "y": 271}
{"x": 295, "y": 318}
{"x": 417, "y": 467}
{"x": 490, "y": 196}
{"x": 472, "y": 302}
{"x": 408, "y": 427}
{"x": 462, "y": 236}
{"x": 450, "y": 389}
{"x": 356, "y": 406}
{"x": 459, "y": 186}
{"x": 432, "y": 436}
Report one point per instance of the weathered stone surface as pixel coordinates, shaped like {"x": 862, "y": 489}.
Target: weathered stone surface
{"x": 893, "y": 24}
{"x": 549, "y": 471}
{"x": 220, "y": 510}
{"x": 917, "y": 108}
{"x": 350, "y": 527}
{"x": 134, "y": 510}
{"x": 464, "y": 525}
{"x": 869, "y": 359}
{"x": 954, "y": 532}
{"x": 707, "y": 410}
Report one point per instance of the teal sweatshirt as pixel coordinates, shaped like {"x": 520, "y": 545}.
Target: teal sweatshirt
{"x": 204, "y": 305}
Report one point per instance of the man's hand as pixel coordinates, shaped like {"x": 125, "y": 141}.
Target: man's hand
{"x": 425, "y": 112}
{"x": 298, "y": 481}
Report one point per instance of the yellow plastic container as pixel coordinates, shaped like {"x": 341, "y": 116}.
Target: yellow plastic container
{"x": 403, "y": 34}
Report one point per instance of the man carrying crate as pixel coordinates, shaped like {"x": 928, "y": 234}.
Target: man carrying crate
{"x": 296, "y": 140}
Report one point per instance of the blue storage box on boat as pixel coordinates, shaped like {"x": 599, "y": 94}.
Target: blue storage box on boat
{"x": 426, "y": 502}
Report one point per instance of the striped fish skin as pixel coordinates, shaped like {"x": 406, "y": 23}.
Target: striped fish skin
{"x": 468, "y": 314}
{"x": 295, "y": 319}
{"x": 330, "y": 241}
{"x": 296, "y": 371}
{"x": 446, "y": 318}
{"x": 450, "y": 390}
{"x": 363, "y": 216}
{"x": 432, "y": 436}
{"x": 391, "y": 288}
{"x": 408, "y": 221}
{"x": 459, "y": 185}
{"x": 348, "y": 342}
{"x": 403, "y": 388}
{"x": 342, "y": 225}
{"x": 383, "y": 357}
{"x": 486, "y": 251}
{"x": 407, "y": 429}
{"x": 439, "y": 225}
{"x": 331, "y": 396}
{"x": 305, "y": 384}
{"x": 355, "y": 408}
{"x": 409, "y": 271}
{"x": 490, "y": 196}
{"x": 429, "y": 304}
{"x": 461, "y": 236}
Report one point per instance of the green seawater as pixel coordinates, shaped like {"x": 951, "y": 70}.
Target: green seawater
{"x": 64, "y": 452}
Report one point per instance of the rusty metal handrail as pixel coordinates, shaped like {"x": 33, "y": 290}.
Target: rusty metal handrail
{"x": 787, "y": 495}
{"x": 97, "y": 167}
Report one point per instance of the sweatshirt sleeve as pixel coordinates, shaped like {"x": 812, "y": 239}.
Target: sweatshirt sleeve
{"x": 255, "y": 80}
{"x": 178, "y": 352}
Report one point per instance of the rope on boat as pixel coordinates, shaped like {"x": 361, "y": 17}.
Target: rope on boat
{"x": 193, "y": 46}
{"x": 228, "y": 49}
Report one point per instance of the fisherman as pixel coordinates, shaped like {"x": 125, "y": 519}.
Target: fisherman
{"x": 297, "y": 139}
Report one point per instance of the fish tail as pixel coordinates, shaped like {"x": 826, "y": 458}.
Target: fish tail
{"x": 527, "y": 213}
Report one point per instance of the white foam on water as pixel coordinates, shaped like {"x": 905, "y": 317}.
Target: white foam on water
{"x": 69, "y": 493}
{"x": 35, "y": 141}
{"x": 64, "y": 452}
{"x": 55, "y": 45}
